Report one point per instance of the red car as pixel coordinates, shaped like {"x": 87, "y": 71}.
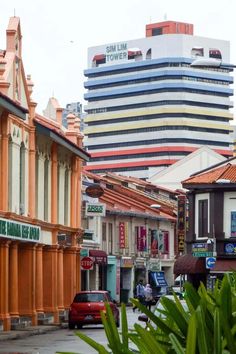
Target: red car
{"x": 87, "y": 306}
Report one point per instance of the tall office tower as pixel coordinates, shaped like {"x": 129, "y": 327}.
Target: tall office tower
{"x": 154, "y": 100}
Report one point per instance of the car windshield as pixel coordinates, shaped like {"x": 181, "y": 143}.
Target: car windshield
{"x": 89, "y": 297}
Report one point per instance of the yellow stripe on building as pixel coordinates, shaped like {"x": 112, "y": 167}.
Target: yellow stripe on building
{"x": 153, "y": 110}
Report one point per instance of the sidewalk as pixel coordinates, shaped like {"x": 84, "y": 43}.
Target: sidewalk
{"x": 30, "y": 331}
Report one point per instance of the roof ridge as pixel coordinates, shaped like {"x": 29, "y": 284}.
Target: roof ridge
{"x": 227, "y": 167}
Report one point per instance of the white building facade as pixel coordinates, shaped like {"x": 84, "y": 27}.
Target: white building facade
{"x": 154, "y": 100}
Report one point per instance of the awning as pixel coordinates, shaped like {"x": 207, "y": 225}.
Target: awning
{"x": 99, "y": 256}
{"x": 188, "y": 264}
{"x": 159, "y": 278}
{"x": 224, "y": 265}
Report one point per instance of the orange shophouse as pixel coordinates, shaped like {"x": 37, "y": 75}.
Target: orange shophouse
{"x": 40, "y": 199}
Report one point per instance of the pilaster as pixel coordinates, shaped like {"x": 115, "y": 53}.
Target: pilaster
{"x": 13, "y": 280}
{"x": 4, "y": 285}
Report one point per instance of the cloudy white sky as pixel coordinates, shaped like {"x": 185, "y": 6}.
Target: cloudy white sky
{"x": 56, "y": 34}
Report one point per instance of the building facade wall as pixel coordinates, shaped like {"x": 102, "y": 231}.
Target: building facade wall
{"x": 39, "y": 245}
{"x": 134, "y": 126}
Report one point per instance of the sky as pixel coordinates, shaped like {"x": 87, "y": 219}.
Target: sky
{"x": 57, "y": 34}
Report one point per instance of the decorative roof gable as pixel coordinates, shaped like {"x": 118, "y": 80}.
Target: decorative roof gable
{"x": 13, "y": 82}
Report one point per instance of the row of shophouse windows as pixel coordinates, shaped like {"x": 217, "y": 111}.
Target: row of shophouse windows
{"x": 152, "y": 241}
{"x": 18, "y": 181}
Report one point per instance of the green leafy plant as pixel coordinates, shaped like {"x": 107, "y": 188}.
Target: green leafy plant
{"x": 208, "y": 326}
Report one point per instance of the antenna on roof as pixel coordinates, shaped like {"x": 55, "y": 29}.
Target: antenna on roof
{"x": 165, "y": 16}
{"x": 14, "y": 12}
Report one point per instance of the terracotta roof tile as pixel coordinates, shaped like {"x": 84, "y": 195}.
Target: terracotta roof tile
{"x": 224, "y": 172}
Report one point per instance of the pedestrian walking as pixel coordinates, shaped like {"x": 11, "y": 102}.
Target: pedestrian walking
{"x": 148, "y": 296}
{"x": 140, "y": 293}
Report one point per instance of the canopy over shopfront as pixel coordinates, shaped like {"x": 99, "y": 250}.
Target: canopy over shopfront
{"x": 99, "y": 256}
{"x": 187, "y": 264}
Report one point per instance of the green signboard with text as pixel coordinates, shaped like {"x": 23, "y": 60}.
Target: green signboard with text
{"x": 19, "y": 231}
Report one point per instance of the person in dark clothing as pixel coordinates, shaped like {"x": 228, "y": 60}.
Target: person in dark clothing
{"x": 140, "y": 293}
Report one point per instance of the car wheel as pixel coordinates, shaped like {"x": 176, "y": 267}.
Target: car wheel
{"x": 79, "y": 325}
{"x": 71, "y": 325}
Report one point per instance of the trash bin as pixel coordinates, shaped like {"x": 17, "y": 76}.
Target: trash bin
{"x": 124, "y": 295}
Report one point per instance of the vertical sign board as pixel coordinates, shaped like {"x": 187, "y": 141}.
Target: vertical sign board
{"x": 181, "y": 222}
{"x": 141, "y": 238}
{"x": 123, "y": 235}
{"x": 118, "y": 277}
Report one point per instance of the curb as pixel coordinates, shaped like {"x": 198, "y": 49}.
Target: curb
{"x": 29, "y": 331}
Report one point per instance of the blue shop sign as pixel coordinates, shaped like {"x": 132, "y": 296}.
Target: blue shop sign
{"x": 230, "y": 248}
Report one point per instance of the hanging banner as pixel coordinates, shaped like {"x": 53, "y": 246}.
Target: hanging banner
{"x": 160, "y": 242}
{"x": 142, "y": 238}
{"x": 164, "y": 242}
{"x": 154, "y": 242}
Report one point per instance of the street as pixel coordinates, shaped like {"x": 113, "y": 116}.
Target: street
{"x": 61, "y": 340}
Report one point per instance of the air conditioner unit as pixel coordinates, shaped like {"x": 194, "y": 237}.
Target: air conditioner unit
{"x": 22, "y": 209}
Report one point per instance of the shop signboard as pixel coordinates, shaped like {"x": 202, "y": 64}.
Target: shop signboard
{"x": 230, "y": 248}
{"x": 19, "y": 231}
{"x": 155, "y": 265}
{"x": 181, "y": 222}
{"x": 95, "y": 209}
{"x": 126, "y": 262}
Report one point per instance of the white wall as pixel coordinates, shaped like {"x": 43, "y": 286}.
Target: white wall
{"x": 229, "y": 205}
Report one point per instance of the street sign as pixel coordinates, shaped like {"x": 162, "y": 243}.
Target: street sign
{"x": 84, "y": 252}
{"x": 203, "y": 254}
{"x": 210, "y": 262}
{"x": 86, "y": 263}
{"x": 199, "y": 247}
